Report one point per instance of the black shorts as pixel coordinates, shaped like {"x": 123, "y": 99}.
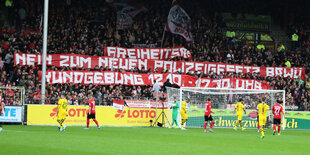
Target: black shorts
{"x": 257, "y": 118}
{"x": 91, "y": 116}
{"x": 208, "y": 118}
{"x": 276, "y": 121}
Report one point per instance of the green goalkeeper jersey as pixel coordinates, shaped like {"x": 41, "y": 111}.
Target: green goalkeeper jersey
{"x": 175, "y": 111}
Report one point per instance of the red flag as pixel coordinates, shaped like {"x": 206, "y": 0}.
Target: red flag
{"x": 179, "y": 22}
{"x": 118, "y": 104}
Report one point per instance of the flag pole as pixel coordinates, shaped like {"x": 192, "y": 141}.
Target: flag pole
{"x": 44, "y": 51}
{"x": 162, "y": 39}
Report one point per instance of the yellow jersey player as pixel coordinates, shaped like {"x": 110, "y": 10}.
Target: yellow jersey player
{"x": 183, "y": 113}
{"x": 262, "y": 111}
{"x": 239, "y": 107}
{"x": 62, "y": 111}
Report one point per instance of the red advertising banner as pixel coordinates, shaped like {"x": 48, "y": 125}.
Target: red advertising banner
{"x": 147, "y": 53}
{"x": 84, "y": 61}
{"x": 136, "y": 79}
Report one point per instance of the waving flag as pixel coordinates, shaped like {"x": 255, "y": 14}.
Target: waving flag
{"x": 124, "y": 18}
{"x": 118, "y": 104}
{"x": 179, "y": 22}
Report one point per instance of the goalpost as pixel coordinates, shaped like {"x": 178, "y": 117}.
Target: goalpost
{"x": 223, "y": 102}
{"x": 14, "y": 98}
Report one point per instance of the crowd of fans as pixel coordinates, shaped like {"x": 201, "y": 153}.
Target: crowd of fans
{"x": 81, "y": 28}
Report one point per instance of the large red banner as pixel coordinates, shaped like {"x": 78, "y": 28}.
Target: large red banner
{"x": 147, "y": 53}
{"x": 136, "y": 79}
{"x": 84, "y": 61}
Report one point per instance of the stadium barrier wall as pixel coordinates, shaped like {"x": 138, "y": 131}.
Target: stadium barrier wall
{"x": 106, "y": 115}
{"x": 12, "y": 114}
{"x": 223, "y": 118}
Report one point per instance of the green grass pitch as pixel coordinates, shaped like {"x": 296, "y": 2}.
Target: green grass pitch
{"x": 22, "y": 140}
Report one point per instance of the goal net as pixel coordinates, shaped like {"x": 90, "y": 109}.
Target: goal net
{"x": 223, "y": 102}
{"x": 14, "y": 96}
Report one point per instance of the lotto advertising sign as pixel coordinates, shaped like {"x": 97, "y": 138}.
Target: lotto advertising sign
{"x": 224, "y": 118}
{"x": 76, "y": 115}
{"x": 12, "y": 114}
{"x": 132, "y": 116}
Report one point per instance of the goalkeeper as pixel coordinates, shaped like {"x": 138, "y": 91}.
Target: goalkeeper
{"x": 175, "y": 106}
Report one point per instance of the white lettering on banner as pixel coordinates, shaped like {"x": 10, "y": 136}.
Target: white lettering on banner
{"x": 144, "y": 54}
{"x": 147, "y": 53}
{"x": 230, "y": 68}
{"x": 138, "y": 80}
{"x": 89, "y": 78}
{"x": 78, "y": 77}
{"x": 67, "y": 76}
{"x": 168, "y": 63}
{"x": 288, "y": 74}
{"x": 128, "y": 79}
{"x": 205, "y": 82}
{"x": 279, "y": 71}
{"x": 48, "y": 77}
{"x": 84, "y": 61}
{"x": 119, "y": 78}
{"x": 158, "y": 64}
{"x": 20, "y": 59}
{"x": 270, "y": 71}
{"x": 300, "y": 73}
{"x": 143, "y": 63}
{"x": 131, "y": 53}
{"x": 158, "y": 78}
{"x": 72, "y": 64}
{"x": 103, "y": 62}
{"x": 72, "y": 60}
{"x": 189, "y": 67}
{"x": 112, "y": 62}
{"x": 59, "y": 79}
{"x": 258, "y": 85}
{"x": 111, "y": 51}
{"x": 225, "y": 83}
{"x": 295, "y": 74}
{"x": 220, "y": 68}
{"x": 238, "y": 82}
{"x": 31, "y": 59}
{"x": 111, "y": 78}
{"x": 249, "y": 84}
{"x": 198, "y": 67}
{"x": 48, "y": 60}
{"x": 239, "y": 69}
{"x": 212, "y": 68}
{"x": 133, "y": 63}
{"x": 65, "y": 60}
{"x": 98, "y": 78}
{"x": 247, "y": 69}
{"x": 154, "y": 53}
{"x": 256, "y": 69}
{"x": 121, "y": 53}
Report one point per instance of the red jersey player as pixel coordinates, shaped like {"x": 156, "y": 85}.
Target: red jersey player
{"x": 2, "y": 108}
{"x": 208, "y": 116}
{"x": 92, "y": 112}
{"x": 277, "y": 111}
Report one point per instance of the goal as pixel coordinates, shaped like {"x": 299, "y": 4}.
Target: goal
{"x": 223, "y": 102}
{"x": 14, "y": 96}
